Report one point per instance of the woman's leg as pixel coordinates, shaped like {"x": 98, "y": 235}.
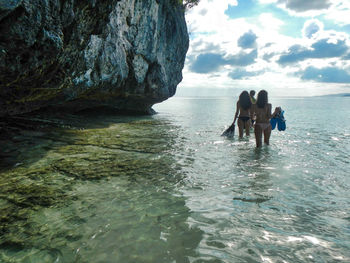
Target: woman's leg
{"x": 247, "y": 127}
{"x": 258, "y": 135}
{"x": 267, "y": 134}
{"x": 240, "y": 128}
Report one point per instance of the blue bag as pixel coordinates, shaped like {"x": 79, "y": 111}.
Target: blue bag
{"x": 273, "y": 123}
{"x": 281, "y": 122}
{"x": 278, "y": 121}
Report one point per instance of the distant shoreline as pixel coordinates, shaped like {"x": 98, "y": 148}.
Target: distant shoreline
{"x": 335, "y": 95}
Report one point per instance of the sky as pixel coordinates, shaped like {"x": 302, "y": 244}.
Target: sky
{"x": 287, "y": 47}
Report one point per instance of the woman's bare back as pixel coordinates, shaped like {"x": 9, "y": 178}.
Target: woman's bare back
{"x": 243, "y": 112}
{"x": 263, "y": 115}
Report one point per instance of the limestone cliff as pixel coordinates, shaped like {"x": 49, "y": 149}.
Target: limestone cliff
{"x": 75, "y": 54}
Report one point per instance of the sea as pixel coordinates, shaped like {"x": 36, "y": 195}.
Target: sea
{"x": 168, "y": 188}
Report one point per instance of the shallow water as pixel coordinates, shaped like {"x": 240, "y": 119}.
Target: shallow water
{"x": 169, "y": 188}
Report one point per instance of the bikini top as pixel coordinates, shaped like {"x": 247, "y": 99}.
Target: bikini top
{"x": 263, "y": 114}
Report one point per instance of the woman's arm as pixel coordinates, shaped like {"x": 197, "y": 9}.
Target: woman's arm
{"x": 277, "y": 110}
{"x": 269, "y": 109}
{"x": 237, "y": 111}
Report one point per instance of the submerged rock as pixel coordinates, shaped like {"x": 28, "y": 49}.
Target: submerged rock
{"x": 71, "y": 54}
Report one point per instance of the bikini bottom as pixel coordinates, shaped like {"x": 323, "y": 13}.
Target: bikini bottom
{"x": 244, "y": 119}
{"x": 263, "y": 126}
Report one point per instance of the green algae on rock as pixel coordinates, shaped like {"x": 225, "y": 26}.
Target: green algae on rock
{"x": 95, "y": 182}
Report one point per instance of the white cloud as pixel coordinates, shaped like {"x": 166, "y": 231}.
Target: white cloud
{"x": 208, "y": 23}
{"x": 339, "y": 12}
{"x": 333, "y": 10}
{"x": 269, "y": 22}
{"x": 208, "y": 16}
{"x": 269, "y": 40}
{"x": 214, "y": 40}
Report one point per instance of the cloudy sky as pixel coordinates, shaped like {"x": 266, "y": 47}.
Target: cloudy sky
{"x": 288, "y": 47}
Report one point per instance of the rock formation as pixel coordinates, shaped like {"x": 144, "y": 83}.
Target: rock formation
{"x": 76, "y": 54}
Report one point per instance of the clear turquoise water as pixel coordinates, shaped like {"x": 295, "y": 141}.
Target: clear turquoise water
{"x": 169, "y": 188}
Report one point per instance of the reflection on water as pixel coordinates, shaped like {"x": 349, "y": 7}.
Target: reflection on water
{"x": 103, "y": 190}
{"x": 169, "y": 188}
{"x": 282, "y": 203}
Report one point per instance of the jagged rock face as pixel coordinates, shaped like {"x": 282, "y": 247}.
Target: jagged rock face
{"x": 75, "y": 54}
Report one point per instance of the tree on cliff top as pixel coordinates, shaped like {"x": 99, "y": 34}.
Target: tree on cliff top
{"x": 190, "y": 3}
{"x": 187, "y": 4}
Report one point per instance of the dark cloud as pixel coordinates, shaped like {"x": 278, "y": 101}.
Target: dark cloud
{"x": 196, "y": 44}
{"x": 295, "y": 53}
{"x": 325, "y": 49}
{"x": 211, "y": 62}
{"x": 268, "y": 56}
{"x": 204, "y": 47}
{"x": 243, "y": 58}
{"x": 311, "y": 29}
{"x": 306, "y": 5}
{"x": 321, "y": 49}
{"x": 206, "y": 63}
{"x": 240, "y": 73}
{"x": 247, "y": 40}
{"x": 328, "y": 74}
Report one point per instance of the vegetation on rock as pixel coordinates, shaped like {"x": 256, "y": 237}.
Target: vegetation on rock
{"x": 187, "y": 4}
{"x": 190, "y": 3}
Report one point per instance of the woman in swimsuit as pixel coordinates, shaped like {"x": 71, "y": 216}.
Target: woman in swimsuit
{"x": 243, "y": 108}
{"x": 262, "y": 110}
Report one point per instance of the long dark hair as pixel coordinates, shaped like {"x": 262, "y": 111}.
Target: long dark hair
{"x": 244, "y": 100}
{"x": 262, "y": 99}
